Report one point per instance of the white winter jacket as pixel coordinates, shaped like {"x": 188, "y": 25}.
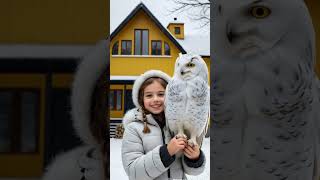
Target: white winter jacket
{"x": 141, "y": 152}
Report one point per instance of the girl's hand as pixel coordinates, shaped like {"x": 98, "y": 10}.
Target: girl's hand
{"x": 192, "y": 152}
{"x": 175, "y": 145}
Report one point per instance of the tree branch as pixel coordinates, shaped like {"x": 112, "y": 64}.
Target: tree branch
{"x": 203, "y": 7}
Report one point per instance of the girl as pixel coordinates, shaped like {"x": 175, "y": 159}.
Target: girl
{"x": 148, "y": 151}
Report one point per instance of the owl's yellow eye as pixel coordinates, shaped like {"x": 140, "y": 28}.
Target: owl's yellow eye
{"x": 190, "y": 65}
{"x": 260, "y": 12}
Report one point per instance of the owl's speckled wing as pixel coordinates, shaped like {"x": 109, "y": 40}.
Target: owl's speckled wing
{"x": 198, "y": 104}
{"x": 175, "y": 104}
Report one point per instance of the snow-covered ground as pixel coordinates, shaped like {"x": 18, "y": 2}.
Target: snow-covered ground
{"x": 117, "y": 171}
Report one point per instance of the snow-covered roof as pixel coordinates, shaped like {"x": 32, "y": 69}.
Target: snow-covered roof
{"x": 196, "y": 43}
{"x": 175, "y": 22}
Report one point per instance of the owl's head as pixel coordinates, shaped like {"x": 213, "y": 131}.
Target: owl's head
{"x": 188, "y": 66}
{"x": 247, "y": 29}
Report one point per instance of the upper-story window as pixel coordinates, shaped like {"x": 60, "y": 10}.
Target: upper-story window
{"x": 126, "y": 46}
{"x": 156, "y": 47}
{"x": 141, "y": 39}
{"x": 115, "y": 48}
{"x": 177, "y": 30}
{"x": 167, "y": 49}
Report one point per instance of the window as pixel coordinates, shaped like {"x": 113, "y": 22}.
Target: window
{"x": 156, "y": 47}
{"x": 115, "y": 48}
{"x": 19, "y": 119}
{"x": 177, "y": 30}
{"x": 141, "y": 39}
{"x": 126, "y": 47}
{"x": 115, "y": 102}
{"x": 166, "y": 49}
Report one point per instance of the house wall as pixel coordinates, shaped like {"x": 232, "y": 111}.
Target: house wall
{"x": 53, "y": 21}
{"x": 135, "y": 65}
{"x": 171, "y": 27}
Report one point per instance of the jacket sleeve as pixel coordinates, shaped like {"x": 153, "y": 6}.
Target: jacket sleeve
{"x": 137, "y": 164}
{"x": 194, "y": 168}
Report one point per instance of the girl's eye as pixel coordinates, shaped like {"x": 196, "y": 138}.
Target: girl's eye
{"x": 160, "y": 95}
{"x": 260, "y": 12}
{"x": 148, "y": 95}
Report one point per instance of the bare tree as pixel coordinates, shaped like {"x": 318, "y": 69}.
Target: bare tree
{"x": 199, "y": 10}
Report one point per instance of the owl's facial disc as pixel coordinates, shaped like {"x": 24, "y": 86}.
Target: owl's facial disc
{"x": 187, "y": 72}
{"x": 245, "y": 37}
{"x": 247, "y": 49}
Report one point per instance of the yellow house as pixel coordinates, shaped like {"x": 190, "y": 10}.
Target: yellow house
{"x": 138, "y": 44}
{"x": 41, "y": 43}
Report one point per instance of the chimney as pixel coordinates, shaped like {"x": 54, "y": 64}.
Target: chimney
{"x": 176, "y": 28}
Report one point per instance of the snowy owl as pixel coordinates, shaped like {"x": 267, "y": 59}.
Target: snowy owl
{"x": 187, "y": 99}
{"x": 265, "y": 93}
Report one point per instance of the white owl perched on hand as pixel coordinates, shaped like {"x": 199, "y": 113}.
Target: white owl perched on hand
{"x": 265, "y": 93}
{"x": 187, "y": 100}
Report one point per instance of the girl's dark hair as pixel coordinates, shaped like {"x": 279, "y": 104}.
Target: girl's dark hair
{"x": 140, "y": 98}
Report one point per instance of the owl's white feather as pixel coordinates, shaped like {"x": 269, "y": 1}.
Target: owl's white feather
{"x": 188, "y": 99}
{"x": 265, "y": 97}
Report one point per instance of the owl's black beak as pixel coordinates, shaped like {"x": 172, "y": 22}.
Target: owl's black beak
{"x": 230, "y": 36}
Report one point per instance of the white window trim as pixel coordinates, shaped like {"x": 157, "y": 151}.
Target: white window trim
{"x": 141, "y": 56}
{"x": 44, "y": 51}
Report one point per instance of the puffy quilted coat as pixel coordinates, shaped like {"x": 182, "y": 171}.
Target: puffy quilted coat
{"x": 141, "y": 152}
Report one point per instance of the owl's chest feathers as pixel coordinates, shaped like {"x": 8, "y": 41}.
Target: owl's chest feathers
{"x": 194, "y": 90}
{"x": 286, "y": 107}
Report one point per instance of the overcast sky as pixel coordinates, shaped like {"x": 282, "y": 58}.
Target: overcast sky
{"x": 120, "y": 9}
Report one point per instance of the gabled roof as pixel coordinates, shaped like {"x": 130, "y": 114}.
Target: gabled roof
{"x": 142, "y": 7}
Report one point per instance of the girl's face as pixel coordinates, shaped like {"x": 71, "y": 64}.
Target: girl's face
{"x": 153, "y": 97}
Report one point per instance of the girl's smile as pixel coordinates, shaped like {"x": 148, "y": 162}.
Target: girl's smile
{"x": 153, "y": 98}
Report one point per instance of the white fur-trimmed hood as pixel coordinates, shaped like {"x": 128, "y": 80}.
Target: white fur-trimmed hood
{"x": 86, "y": 76}
{"x": 139, "y": 81}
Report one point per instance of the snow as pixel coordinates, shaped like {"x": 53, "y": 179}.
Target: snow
{"x": 117, "y": 172}
{"x": 199, "y": 44}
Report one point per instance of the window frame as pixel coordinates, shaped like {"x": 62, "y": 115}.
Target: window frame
{"x": 126, "y": 47}
{"x": 141, "y": 41}
{"x": 177, "y": 30}
{"x": 116, "y": 44}
{"x": 16, "y": 120}
{"x": 164, "y": 49}
{"x": 152, "y": 51}
{"x": 114, "y": 105}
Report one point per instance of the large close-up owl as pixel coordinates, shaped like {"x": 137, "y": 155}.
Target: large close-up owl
{"x": 265, "y": 92}
{"x": 187, "y": 99}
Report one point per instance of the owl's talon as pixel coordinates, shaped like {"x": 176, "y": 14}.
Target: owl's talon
{"x": 181, "y": 136}
{"x": 191, "y": 143}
